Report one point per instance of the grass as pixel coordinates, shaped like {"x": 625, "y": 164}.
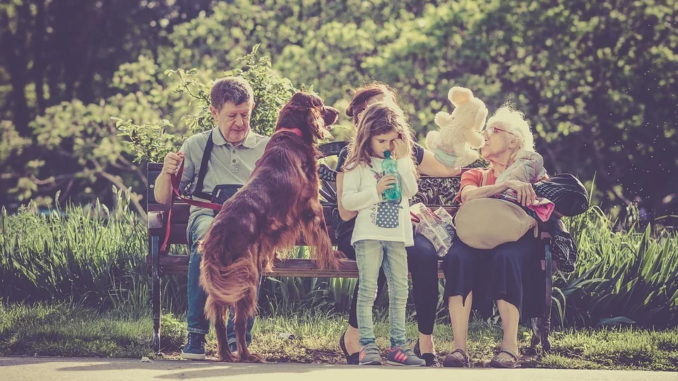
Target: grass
{"x": 68, "y": 330}
{"x": 61, "y": 330}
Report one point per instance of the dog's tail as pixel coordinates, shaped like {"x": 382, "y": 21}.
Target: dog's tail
{"x": 227, "y": 285}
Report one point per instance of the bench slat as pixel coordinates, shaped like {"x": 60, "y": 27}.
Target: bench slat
{"x": 289, "y": 267}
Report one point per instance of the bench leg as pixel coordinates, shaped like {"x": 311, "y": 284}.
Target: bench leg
{"x": 541, "y": 326}
{"x": 545, "y": 328}
{"x": 155, "y": 291}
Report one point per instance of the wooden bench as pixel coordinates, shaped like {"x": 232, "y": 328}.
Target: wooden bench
{"x": 433, "y": 192}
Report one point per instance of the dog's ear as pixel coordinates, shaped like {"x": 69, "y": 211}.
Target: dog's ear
{"x": 314, "y": 123}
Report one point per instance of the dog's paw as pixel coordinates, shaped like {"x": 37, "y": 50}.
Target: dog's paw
{"x": 250, "y": 357}
{"x": 227, "y": 357}
{"x": 336, "y": 254}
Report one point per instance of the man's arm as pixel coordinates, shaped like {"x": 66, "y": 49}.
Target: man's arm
{"x": 163, "y": 184}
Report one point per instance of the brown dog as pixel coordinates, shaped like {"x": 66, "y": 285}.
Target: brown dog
{"x": 278, "y": 205}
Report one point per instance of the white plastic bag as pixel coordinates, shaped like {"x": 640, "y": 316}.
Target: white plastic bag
{"x": 437, "y": 227}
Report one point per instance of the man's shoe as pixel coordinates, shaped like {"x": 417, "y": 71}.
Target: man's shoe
{"x": 369, "y": 355}
{"x": 194, "y": 349}
{"x": 403, "y": 356}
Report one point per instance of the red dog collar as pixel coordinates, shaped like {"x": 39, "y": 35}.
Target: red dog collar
{"x": 295, "y": 131}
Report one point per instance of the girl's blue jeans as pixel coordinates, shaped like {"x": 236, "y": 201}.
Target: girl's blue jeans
{"x": 371, "y": 256}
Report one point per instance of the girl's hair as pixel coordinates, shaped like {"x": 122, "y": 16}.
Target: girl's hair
{"x": 363, "y": 94}
{"x": 378, "y": 119}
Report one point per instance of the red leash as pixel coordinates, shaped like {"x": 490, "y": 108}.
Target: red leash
{"x": 176, "y": 180}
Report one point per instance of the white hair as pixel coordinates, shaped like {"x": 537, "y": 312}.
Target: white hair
{"x": 513, "y": 121}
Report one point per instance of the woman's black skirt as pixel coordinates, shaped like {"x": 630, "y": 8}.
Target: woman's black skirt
{"x": 510, "y": 272}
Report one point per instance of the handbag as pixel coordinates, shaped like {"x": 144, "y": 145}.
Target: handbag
{"x": 567, "y": 193}
{"x": 437, "y": 227}
{"x": 485, "y": 223}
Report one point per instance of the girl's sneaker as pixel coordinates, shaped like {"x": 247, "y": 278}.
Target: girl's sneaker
{"x": 403, "y": 356}
{"x": 369, "y": 355}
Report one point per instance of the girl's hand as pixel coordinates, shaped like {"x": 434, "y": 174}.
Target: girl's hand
{"x": 524, "y": 191}
{"x": 399, "y": 149}
{"x": 384, "y": 183}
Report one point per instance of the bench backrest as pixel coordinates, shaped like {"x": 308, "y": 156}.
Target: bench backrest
{"x": 433, "y": 192}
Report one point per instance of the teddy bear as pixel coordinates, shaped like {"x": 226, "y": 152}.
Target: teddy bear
{"x": 459, "y": 131}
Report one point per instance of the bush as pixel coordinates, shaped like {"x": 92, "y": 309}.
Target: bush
{"x": 626, "y": 277}
{"x": 89, "y": 255}
{"x": 96, "y": 257}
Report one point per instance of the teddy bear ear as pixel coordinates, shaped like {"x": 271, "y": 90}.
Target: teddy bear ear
{"x": 459, "y": 95}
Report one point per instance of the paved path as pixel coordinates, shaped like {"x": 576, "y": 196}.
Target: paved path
{"x": 89, "y": 369}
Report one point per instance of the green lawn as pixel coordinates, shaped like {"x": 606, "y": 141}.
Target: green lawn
{"x": 63, "y": 330}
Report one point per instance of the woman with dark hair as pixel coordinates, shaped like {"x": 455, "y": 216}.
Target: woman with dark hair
{"x": 422, "y": 257}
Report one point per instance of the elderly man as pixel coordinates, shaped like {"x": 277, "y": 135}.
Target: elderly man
{"x": 216, "y": 163}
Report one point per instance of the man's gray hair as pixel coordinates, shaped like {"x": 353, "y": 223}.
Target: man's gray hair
{"x": 230, "y": 89}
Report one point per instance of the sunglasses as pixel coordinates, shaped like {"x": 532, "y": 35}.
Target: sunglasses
{"x": 493, "y": 130}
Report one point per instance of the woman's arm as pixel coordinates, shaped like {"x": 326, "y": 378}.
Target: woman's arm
{"x": 344, "y": 213}
{"x": 430, "y": 166}
{"x": 471, "y": 192}
{"x": 524, "y": 191}
{"x": 408, "y": 179}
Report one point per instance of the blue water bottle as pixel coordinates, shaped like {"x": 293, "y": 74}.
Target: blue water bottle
{"x": 390, "y": 167}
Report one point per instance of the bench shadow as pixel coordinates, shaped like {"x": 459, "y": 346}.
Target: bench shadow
{"x": 182, "y": 369}
{"x": 179, "y": 369}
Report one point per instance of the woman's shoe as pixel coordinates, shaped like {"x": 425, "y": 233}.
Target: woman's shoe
{"x": 351, "y": 359}
{"x": 504, "y": 359}
{"x": 430, "y": 358}
{"x": 457, "y": 359}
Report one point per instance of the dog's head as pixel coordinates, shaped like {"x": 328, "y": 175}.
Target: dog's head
{"x": 308, "y": 113}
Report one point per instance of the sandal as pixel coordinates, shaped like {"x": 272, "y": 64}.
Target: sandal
{"x": 457, "y": 359}
{"x": 351, "y": 359}
{"x": 430, "y": 358}
{"x": 504, "y": 359}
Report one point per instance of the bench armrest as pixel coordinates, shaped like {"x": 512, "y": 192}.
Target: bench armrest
{"x": 156, "y": 222}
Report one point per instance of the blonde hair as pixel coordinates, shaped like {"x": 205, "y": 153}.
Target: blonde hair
{"x": 513, "y": 121}
{"x": 377, "y": 119}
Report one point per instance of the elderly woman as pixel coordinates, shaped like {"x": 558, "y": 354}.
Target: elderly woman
{"x": 506, "y": 273}
{"x": 422, "y": 258}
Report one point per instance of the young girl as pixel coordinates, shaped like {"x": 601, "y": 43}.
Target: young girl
{"x": 383, "y": 228}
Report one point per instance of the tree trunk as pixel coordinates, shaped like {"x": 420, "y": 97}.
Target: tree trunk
{"x": 15, "y": 50}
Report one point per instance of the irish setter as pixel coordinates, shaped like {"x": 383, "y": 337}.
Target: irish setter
{"x": 279, "y": 204}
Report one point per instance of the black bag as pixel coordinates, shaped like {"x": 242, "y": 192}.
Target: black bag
{"x": 563, "y": 250}
{"x": 567, "y": 193}
{"x": 223, "y": 192}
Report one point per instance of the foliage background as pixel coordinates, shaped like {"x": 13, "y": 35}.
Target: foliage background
{"x": 597, "y": 80}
